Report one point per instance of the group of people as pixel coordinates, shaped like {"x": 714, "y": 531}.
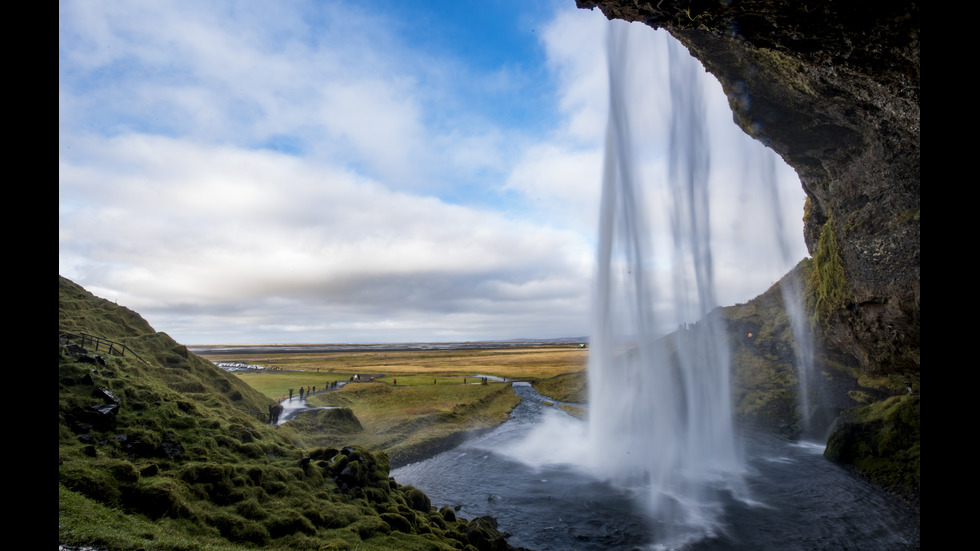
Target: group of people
{"x": 311, "y": 390}
{"x": 308, "y": 392}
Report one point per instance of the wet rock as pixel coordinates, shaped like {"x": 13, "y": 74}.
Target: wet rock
{"x": 75, "y": 349}
{"x": 89, "y": 359}
{"x": 105, "y": 395}
{"x": 482, "y": 533}
{"x": 100, "y": 418}
{"x": 138, "y": 445}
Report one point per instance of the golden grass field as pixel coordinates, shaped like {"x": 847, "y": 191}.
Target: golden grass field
{"x": 412, "y": 367}
{"x": 533, "y": 362}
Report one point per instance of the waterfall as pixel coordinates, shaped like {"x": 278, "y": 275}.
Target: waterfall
{"x": 660, "y": 406}
{"x": 792, "y": 292}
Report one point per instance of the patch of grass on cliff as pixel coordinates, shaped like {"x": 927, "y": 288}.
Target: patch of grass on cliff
{"x": 827, "y": 289}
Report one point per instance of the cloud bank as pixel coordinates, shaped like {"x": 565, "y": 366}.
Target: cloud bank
{"x": 338, "y": 171}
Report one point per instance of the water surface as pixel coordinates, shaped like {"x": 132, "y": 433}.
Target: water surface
{"x": 793, "y": 499}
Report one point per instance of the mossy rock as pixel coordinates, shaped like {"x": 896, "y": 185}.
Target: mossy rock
{"x": 159, "y": 497}
{"x": 881, "y": 441}
{"x": 376, "y": 495}
{"x": 369, "y": 526}
{"x": 206, "y": 472}
{"x": 436, "y": 520}
{"x": 482, "y": 534}
{"x": 239, "y": 529}
{"x": 251, "y": 509}
{"x": 398, "y": 522}
{"x": 416, "y": 499}
{"x": 289, "y": 522}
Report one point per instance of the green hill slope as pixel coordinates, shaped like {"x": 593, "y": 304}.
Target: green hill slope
{"x": 159, "y": 449}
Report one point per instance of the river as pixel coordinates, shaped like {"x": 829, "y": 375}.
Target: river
{"x": 525, "y": 474}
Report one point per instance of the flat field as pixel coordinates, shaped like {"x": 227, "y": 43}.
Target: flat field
{"x": 411, "y": 367}
{"x": 410, "y": 403}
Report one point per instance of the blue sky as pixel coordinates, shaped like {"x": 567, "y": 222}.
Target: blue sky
{"x": 371, "y": 171}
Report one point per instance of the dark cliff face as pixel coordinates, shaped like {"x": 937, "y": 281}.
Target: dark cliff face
{"x": 832, "y": 87}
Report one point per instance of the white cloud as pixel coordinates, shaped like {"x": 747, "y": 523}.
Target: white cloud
{"x": 575, "y": 43}
{"x": 301, "y": 172}
{"x": 214, "y": 226}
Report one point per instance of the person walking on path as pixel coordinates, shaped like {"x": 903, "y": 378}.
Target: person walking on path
{"x": 274, "y": 411}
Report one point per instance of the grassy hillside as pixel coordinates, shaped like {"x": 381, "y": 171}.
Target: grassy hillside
{"x": 159, "y": 449}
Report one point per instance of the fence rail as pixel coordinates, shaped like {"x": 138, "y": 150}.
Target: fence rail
{"x": 111, "y": 347}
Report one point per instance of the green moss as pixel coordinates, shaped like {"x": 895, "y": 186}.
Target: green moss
{"x": 416, "y": 499}
{"x": 908, "y": 216}
{"x": 881, "y": 440}
{"x": 289, "y": 521}
{"x": 860, "y": 396}
{"x": 367, "y": 527}
{"x": 397, "y": 522}
{"x": 92, "y": 481}
{"x": 827, "y": 289}
{"x": 239, "y": 529}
